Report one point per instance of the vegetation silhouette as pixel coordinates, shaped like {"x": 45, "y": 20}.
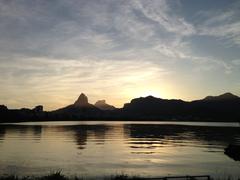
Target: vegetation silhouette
{"x": 225, "y": 107}
{"x": 59, "y": 176}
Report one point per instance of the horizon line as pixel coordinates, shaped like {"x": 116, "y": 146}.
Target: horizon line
{"x": 28, "y": 107}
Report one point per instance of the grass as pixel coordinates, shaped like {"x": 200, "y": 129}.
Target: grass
{"x": 59, "y": 176}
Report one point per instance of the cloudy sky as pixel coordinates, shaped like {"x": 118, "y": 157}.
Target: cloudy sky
{"x": 52, "y": 50}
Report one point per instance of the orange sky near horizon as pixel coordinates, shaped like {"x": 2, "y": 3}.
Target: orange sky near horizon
{"x": 51, "y": 51}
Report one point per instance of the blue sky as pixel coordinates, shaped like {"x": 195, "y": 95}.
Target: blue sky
{"x": 51, "y": 51}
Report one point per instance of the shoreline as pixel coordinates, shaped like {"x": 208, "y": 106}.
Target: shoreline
{"x": 122, "y": 120}
{"x": 60, "y": 176}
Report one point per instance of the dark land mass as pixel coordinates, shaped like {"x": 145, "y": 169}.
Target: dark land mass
{"x": 225, "y": 108}
{"x": 60, "y": 176}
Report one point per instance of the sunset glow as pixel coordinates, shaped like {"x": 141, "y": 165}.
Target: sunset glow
{"x": 50, "y": 52}
{"x": 119, "y": 89}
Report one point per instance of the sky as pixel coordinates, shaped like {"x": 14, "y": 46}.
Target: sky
{"x": 117, "y": 50}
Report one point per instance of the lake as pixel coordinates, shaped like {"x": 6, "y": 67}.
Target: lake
{"x": 101, "y": 148}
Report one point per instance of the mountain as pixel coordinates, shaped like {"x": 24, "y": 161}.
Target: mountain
{"x": 82, "y": 101}
{"x": 225, "y": 107}
{"x": 223, "y": 97}
{"x": 101, "y": 104}
{"x": 153, "y": 108}
{"x": 80, "y": 109}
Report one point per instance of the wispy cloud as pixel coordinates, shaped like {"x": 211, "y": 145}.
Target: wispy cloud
{"x": 230, "y": 32}
{"x": 55, "y": 49}
{"x": 159, "y": 11}
{"x": 62, "y": 81}
{"x": 224, "y": 24}
{"x": 236, "y": 62}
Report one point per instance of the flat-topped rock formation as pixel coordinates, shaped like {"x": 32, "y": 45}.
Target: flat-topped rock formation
{"x": 101, "y": 104}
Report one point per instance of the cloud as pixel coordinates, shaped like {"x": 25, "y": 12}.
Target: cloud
{"x": 159, "y": 11}
{"x": 230, "y": 32}
{"x": 236, "y": 62}
{"x": 55, "y": 49}
{"x": 71, "y": 29}
{"x": 62, "y": 81}
{"x": 223, "y": 24}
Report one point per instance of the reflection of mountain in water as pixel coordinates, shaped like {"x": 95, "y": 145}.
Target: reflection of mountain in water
{"x": 23, "y": 131}
{"x": 37, "y": 131}
{"x": 148, "y": 136}
{"x": 140, "y": 138}
{"x": 82, "y": 132}
{"x": 2, "y": 133}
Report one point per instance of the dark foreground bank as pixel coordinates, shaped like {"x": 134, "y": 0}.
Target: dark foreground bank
{"x": 60, "y": 176}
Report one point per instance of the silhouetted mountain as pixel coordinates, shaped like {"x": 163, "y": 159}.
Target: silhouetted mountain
{"x": 101, "y": 104}
{"x": 223, "y": 97}
{"x": 81, "y": 109}
{"x": 82, "y": 101}
{"x": 213, "y": 108}
{"x": 151, "y": 108}
{"x": 225, "y": 107}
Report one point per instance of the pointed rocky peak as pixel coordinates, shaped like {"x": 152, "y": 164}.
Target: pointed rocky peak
{"x": 225, "y": 96}
{"x": 101, "y": 104}
{"x": 82, "y": 100}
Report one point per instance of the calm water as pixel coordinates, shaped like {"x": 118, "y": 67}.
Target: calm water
{"x": 103, "y": 148}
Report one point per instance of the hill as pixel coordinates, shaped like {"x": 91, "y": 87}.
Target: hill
{"x": 225, "y": 107}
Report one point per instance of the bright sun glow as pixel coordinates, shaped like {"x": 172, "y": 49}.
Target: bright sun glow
{"x": 150, "y": 93}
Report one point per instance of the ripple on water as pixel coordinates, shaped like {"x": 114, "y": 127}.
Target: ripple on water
{"x": 100, "y": 148}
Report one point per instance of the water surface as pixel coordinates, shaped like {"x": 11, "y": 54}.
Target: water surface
{"x": 99, "y": 148}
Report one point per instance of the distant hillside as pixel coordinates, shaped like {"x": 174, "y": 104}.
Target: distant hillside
{"x": 212, "y": 108}
{"x": 223, "y": 97}
{"x": 225, "y": 107}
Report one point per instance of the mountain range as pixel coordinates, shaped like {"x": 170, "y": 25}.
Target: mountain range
{"x": 225, "y": 107}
